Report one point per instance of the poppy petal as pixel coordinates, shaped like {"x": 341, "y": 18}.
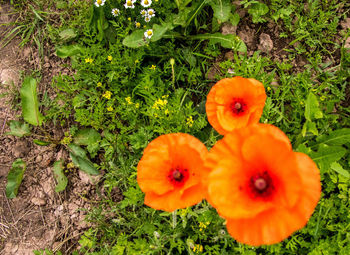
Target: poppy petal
{"x": 172, "y": 167}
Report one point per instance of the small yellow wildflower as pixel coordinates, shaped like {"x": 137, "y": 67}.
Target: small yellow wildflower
{"x": 153, "y": 67}
{"x": 189, "y": 121}
{"x": 137, "y": 61}
{"x": 144, "y": 26}
{"x": 70, "y": 165}
{"x": 268, "y": 88}
{"x": 159, "y": 103}
{"x": 89, "y": 60}
{"x": 128, "y": 100}
{"x": 137, "y": 105}
{"x": 99, "y": 84}
{"x": 198, "y": 248}
{"x": 166, "y": 112}
{"x": 110, "y": 58}
{"x": 165, "y": 96}
{"x": 107, "y": 94}
{"x": 129, "y": 19}
{"x": 110, "y": 108}
{"x": 137, "y": 24}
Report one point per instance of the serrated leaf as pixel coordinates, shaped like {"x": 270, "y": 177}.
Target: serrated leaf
{"x": 14, "y": 178}
{"x": 312, "y": 110}
{"x": 326, "y": 155}
{"x": 18, "y": 128}
{"x": 40, "y": 142}
{"x": 59, "y": 176}
{"x": 337, "y": 137}
{"x": 80, "y": 160}
{"x": 30, "y": 106}
{"x": 68, "y": 50}
{"x": 67, "y": 34}
{"x": 135, "y": 39}
{"x": 87, "y": 136}
{"x": 222, "y": 9}
{"x": 339, "y": 169}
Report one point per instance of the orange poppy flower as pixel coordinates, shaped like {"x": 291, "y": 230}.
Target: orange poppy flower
{"x": 171, "y": 170}
{"x": 261, "y": 187}
{"x": 235, "y": 103}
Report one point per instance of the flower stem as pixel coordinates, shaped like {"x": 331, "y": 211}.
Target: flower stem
{"x": 174, "y": 218}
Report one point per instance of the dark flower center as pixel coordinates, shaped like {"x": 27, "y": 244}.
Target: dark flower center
{"x": 178, "y": 176}
{"x": 261, "y": 185}
{"x": 238, "y": 106}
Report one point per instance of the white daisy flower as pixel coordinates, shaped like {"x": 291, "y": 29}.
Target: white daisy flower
{"x": 146, "y": 3}
{"x": 115, "y": 12}
{"x": 149, "y": 33}
{"x": 147, "y": 18}
{"x": 143, "y": 13}
{"x": 129, "y": 4}
{"x": 151, "y": 13}
{"x": 99, "y": 3}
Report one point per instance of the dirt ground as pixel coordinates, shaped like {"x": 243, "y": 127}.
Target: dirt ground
{"x": 38, "y": 217}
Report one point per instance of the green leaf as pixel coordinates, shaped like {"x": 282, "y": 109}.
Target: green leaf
{"x": 312, "y": 110}
{"x": 30, "y": 106}
{"x": 337, "y": 137}
{"x": 40, "y": 142}
{"x": 87, "y": 136}
{"x": 309, "y": 127}
{"x": 67, "y": 34}
{"x": 18, "y": 128}
{"x": 222, "y": 10}
{"x": 68, "y": 50}
{"x": 257, "y": 10}
{"x": 160, "y": 30}
{"x": 326, "y": 155}
{"x": 79, "y": 159}
{"x": 59, "y": 176}
{"x": 135, "y": 39}
{"x": 227, "y": 41}
{"x": 14, "y": 178}
{"x": 339, "y": 169}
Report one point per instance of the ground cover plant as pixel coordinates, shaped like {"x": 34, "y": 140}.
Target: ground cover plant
{"x": 142, "y": 69}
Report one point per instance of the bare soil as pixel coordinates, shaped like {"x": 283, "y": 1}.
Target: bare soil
{"x": 38, "y": 217}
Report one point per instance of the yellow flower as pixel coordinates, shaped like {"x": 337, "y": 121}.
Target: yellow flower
{"x": 110, "y": 58}
{"x": 268, "y": 88}
{"x": 128, "y": 100}
{"x": 99, "y": 84}
{"x": 159, "y": 103}
{"x": 137, "y": 61}
{"x": 166, "y": 111}
{"x": 129, "y": 19}
{"x": 110, "y": 108}
{"x": 89, "y": 60}
{"x": 137, "y": 105}
{"x": 107, "y": 94}
{"x": 70, "y": 165}
{"x": 198, "y": 248}
{"x": 189, "y": 121}
{"x": 137, "y": 24}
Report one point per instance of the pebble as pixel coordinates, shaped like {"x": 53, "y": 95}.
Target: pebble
{"x": 38, "y": 201}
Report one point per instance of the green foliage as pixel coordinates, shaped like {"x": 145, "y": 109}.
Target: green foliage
{"x": 14, "y": 178}
{"x": 80, "y": 159}
{"x": 58, "y": 173}
{"x": 18, "y": 128}
{"x": 30, "y": 105}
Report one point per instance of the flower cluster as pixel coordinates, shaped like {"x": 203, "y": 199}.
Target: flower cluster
{"x": 263, "y": 189}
